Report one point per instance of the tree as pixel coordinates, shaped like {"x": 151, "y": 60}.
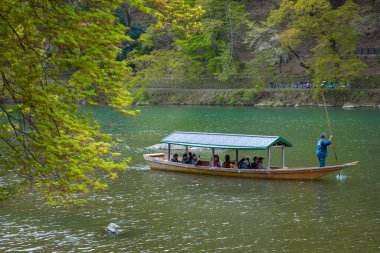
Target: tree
{"x": 161, "y": 64}
{"x": 320, "y": 36}
{"x": 152, "y": 54}
{"x": 262, "y": 66}
{"x": 54, "y": 54}
{"x": 215, "y": 46}
{"x": 177, "y": 14}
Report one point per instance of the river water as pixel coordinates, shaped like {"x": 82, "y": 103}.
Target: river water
{"x": 174, "y": 212}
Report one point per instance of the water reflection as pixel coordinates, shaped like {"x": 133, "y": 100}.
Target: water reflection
{"x": 163, "y": 211}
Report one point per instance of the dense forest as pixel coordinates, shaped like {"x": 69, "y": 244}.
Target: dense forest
{"x": 54, "y": 54}
{"x": 260, "y": 41}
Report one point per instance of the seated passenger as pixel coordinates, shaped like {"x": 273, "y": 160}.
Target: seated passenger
{"x": 241, "y": 162}
{"x": 195, "y": 160}
{"x": 227, "y": 163}
{"x": 215, "y": 162}
{"x": 244, "y": 163}
{"x": 174, "y": 158}
{"x": 254, "y": 163}
{"x": 234, "y": 164}
{"x": 260, "y": 165}
{"x": 185, "y": 159}
{"x": 190, "y": 155}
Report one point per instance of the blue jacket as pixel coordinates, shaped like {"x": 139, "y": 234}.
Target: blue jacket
{"x": 322, "y": 147}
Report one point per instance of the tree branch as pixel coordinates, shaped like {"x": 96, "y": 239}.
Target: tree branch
{"x": 302, "y": 64}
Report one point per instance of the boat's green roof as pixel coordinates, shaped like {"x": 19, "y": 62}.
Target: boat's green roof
{"x": 225, "y": 141}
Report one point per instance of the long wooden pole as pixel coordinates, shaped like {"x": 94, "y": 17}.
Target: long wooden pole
{"x": 329, "y": 124}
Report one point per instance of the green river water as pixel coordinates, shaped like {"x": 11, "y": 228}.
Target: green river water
{"x": 174, "y": 212}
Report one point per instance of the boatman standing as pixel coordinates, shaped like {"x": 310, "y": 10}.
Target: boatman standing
{"x": 322, "y": 149}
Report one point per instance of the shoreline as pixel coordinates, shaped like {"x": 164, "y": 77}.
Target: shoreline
{"x": 344, "y": 98}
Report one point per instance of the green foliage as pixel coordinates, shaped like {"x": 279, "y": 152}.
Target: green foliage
{"x": 141, "y": 96}
{"x": 363, "y": 93}
{"x": 161, "y": 63}
{"x": 327, "y": 33}
{"x": 54, "y": 54}
{"x": 220, "y": 98}
{"x": 262, "y": 66}
{"x": 134, "y": 32}
{"x": 228, "y": 66}
{"x": 250, "y": 94}
{"x": 8, "y": 190}
{"x": 208, "y": 49}
{"x": 45, "y": 141}
{"x": 173, "y": 14}
{"x": 233, "y": 101}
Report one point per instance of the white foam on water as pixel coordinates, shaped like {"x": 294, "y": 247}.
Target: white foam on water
{"x": 341, "y": 177}
{"x": 139, "y": 167}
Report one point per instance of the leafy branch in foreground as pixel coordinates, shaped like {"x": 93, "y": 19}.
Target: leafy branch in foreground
{"x": 53, "y": 54}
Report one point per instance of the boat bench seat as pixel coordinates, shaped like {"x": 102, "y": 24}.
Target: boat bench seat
{"x": 204, "y": 163}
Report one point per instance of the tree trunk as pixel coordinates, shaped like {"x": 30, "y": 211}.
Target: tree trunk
{"x": 128, "y": 19}
{"x": 302, "y": 64}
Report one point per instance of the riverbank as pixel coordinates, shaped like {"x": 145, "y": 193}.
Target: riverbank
{"x": 348, "y": 98}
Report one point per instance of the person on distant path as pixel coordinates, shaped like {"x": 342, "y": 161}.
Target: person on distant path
{"x": 322, "y": 149}
{"x": 174, "y": 158}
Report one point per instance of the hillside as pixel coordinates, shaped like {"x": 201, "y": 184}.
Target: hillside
{"x": 368, "y": 28}
{"x": 234, "y": 42}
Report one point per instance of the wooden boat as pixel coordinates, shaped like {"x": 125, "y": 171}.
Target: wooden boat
{"x": 161, "y": 161}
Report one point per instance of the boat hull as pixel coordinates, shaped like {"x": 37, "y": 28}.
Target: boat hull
{"x": 158, "y": 162}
